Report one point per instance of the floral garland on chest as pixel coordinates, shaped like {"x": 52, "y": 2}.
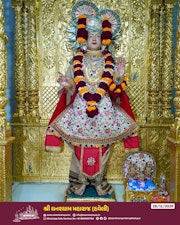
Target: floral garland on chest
{"x": 106, "y": 83}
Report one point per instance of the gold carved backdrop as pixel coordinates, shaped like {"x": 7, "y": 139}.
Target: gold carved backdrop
{"x": 42, "y": 50}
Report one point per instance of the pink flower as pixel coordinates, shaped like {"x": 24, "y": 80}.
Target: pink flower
{"x": 80, "y": 112}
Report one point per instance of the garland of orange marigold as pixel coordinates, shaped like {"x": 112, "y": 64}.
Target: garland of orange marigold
{"x": 106, "y": 82}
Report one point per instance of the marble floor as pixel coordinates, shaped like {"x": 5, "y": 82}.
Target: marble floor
{"x": 49, "y": 192}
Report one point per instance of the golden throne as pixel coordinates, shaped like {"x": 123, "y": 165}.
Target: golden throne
{"x": 146, "y": 43}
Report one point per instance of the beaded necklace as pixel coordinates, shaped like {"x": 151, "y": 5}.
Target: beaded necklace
{"x": 93, "y": 67}
{"x": 106, "y": 82}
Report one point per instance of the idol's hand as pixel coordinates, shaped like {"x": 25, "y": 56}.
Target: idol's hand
{"x": 63, "y": 80}
{"x": 121, "y": 64}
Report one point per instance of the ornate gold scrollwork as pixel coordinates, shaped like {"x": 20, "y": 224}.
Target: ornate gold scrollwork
{"x": 32, "y": 61}
{"x": 171, "y": 2}
{"x": 26, "y": 78}
{"x": 174, "y": 137}
{"x": 156, "y": 2}
{"x": 20, "y": 83}
{"x": 167, "y": 72}
{"x": 177, "y": 78}
{"x": 154, "y": 75}
{"x": 160, "y": 76}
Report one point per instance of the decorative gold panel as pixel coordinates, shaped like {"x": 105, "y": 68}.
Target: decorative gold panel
{"x": 135, "y": 196}
{"x": 6, "y": 168}
{"x": 174, "y": 137}
{"x": 158, "y": 146}
{"x": 42, "y": 50}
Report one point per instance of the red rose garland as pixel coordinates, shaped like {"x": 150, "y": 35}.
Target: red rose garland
{"x": 105, "y": 84}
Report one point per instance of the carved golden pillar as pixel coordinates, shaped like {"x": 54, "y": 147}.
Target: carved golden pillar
{"x": 27, "y": 158}
{"x": 174, "y": 137}
{"x": 167, "y": 72}
{"x": 161, "y": 53}
{"x": 32, "y": 77}
{"x": 20, "y": 80}
{"x": 160, "y": 78}
{"x": 5, "y": 137}
{"x": 154, "y": 75}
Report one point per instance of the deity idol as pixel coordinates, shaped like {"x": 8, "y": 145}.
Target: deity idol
{"x": 99, "y": 112}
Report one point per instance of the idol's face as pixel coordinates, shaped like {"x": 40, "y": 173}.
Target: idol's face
{"x": 94, "y": 41}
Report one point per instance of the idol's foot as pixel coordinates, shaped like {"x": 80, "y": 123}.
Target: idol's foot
{"x": 80, "y": 191}
{"x": 100, "y": 191}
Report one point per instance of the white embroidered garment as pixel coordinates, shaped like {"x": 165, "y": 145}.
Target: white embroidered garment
{"x": 110, "y": 125}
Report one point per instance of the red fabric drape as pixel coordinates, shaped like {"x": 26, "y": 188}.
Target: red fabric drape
{"x": 61, "y": 105}
{"x": 131, "y": 142}
{"x": 125, "y": 104}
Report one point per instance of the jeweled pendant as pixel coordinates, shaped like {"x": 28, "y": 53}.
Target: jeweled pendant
{"x": 93, "y": 68}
